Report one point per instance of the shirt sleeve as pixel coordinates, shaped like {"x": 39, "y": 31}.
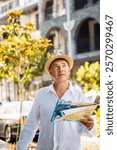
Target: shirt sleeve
{"x": 86, "y": 132}
{"x": 30, "y": 127}
{"x": 82, "y": 129}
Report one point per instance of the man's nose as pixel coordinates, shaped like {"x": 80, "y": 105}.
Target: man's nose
{"x": 60, "y": 68}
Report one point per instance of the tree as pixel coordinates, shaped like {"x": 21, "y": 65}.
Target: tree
{"x": 21, "y": 55}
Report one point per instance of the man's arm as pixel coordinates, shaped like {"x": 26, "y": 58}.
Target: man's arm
{"x": 87, "y": 126}
{"x": 30, "y": 127}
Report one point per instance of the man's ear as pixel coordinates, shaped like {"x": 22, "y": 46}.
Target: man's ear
{"x": 69, "y": 71}
{"x": 50, "y": 72}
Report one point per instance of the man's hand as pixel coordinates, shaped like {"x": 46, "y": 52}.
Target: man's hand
{"x": 87, "y": 121}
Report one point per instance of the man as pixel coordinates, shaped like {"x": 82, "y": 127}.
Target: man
{"x": 62, "y": 135}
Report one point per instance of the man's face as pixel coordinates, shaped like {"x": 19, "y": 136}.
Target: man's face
{"x": 60, "y": 70}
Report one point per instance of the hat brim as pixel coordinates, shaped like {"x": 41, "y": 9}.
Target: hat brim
{"x": 54, "y": 57}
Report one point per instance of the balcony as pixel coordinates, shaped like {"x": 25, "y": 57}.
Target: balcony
{"x": 8, "y": 6}
{"x": 16, "y": 4}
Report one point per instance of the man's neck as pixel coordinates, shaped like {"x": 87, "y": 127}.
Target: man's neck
{"x": 61, "y": 88}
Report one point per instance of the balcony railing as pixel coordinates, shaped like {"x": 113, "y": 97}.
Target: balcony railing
{"x": 8, "y": 6}
{"x": 13, "y": 4}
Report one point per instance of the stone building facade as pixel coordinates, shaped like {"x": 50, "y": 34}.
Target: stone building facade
{"x": 73, "y": 26}
{"x": 85, "y": 32}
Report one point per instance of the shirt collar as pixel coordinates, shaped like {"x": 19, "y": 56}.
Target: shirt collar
{"x": 51, "y": 88}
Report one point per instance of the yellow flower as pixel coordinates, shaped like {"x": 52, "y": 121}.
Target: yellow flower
{"x": 14, "y": 13}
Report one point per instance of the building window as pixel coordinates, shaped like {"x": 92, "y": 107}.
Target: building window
{"x": 57, "y": 38}
{"x": 95, "y": 1}
{"x": 37, "y": 21}
{"x": 83, "y": 39}
{"x": 49, "y": 10}
{"x": 97, "y": 36}
{"x": 51, "y": 37}
{"x": 16, "y": 2}
{"x": 80, "y": 4}
{"x": 88, "y": 37}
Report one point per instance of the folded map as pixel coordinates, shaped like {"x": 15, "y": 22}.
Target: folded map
{"x": 72, "y": 110}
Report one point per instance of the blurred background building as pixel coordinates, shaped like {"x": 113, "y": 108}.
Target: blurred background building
{"x": 73, "y": 26}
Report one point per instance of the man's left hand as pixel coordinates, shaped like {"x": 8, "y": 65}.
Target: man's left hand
{"x": 87, "y": 121}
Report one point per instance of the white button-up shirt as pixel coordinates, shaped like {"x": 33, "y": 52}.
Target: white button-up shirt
{"x": 63, "y": 135}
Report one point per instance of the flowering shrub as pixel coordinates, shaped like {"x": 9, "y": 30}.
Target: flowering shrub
{"x": 88, "y": 75}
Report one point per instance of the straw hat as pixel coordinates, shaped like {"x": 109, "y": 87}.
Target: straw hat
{"x": 58, "y": 56}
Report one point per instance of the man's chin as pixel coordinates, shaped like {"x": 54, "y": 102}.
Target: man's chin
{"x": 62, "y": 79}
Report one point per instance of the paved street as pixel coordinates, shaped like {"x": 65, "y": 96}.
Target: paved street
{"x": 3, "y": 145}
